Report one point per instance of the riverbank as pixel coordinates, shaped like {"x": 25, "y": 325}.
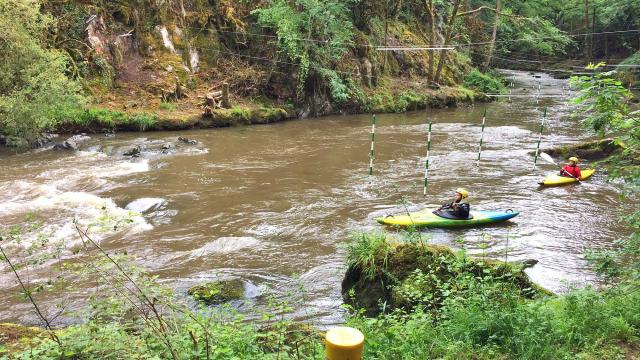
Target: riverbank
{"x": 185, "y": 115}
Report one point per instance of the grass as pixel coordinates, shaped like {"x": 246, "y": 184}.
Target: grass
{"x": 168, "y": 106}
{"x": 584, "y": 324}
{"x": 111, "y": 119}
{"x": 369, "y": 252}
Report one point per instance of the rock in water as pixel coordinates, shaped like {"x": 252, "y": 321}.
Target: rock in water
{"x": 66, "y": 145}
{"x": 145, "y": 205}
{"x": 134, "y": 151}
{"x": 218, "y": 292}
{"x": 80, "y": 138}
{"x": 187, "y": 141}
{"x": 72, "y": 142}
{"x": 42, "y": 140}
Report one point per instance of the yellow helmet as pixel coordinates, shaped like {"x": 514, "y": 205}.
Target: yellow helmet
{"x": 574, "y": 159}
{"x": 463, "y": 192}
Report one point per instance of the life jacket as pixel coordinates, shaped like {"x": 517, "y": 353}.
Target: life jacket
{"x": 459, "y": 211}
{"x": 573, "y": 170}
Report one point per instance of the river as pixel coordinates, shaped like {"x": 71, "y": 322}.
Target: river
{"x": 275, "y": 204}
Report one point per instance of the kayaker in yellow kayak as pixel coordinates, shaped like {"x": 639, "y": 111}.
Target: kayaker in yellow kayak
{"x": 571, "y": 169}
{"x": 456, "y": 209}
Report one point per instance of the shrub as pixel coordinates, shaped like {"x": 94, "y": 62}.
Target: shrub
{"x": 484, "y": 83}
{"x": 35, "y": 92}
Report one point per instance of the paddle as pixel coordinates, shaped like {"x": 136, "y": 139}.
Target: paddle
{"x": 549, "y": 159}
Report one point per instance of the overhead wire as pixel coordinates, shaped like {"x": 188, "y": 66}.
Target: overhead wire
{"x": 416, "y": 45}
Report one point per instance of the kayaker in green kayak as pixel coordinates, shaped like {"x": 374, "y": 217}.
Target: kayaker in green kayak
{"x": 456, "y": 209}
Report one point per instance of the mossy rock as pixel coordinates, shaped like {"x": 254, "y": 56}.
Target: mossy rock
{"x": 413, "y": 274}
{"x": 218, "y": 292}
{"x": 588, "y": 150}
{"x": 266, "y": 115}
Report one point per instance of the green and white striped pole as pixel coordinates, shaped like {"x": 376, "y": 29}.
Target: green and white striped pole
{"x": 373, "y": 140}
{"x": 510, "y": 89}
{"x": 535, "y": 159}
{"x": 481, "y": 135}
{"x": 426, "y": 163}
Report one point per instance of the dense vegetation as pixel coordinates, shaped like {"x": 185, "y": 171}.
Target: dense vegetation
{"x": 153, "y": 59}
{"x": 35, "y": 91}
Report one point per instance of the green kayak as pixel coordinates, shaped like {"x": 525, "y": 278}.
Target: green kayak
{"x": 426, "y": 218}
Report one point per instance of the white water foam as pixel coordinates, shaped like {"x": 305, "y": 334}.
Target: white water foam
{"x": 63, "y": 197}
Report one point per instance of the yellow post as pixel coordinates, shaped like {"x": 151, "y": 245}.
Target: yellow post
{"x": 344, "y": 343}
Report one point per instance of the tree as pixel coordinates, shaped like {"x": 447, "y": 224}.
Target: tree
{"x": 35, "y": 93}
{"x": 494, "y": 33}
{"x": 603, "y": 100}
{"x": 325, "y": 22}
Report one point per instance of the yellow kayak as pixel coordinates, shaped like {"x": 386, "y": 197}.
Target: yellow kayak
{"x": 556, "y": 180}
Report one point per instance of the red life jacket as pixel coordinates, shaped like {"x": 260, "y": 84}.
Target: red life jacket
{"x": 573, "y": 170}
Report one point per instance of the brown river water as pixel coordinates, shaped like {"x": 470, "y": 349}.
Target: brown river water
{"x": 275, "y": 204}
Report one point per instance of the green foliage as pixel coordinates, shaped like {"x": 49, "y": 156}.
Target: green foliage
{"x": 369, "y": 252}
{"x": 531, "y": 35}
{"x": 35, "y": 93}
{"x": 603, "y": 100}
{"x": 240, "y": 113}
{"x": 486, "y": 83}
{"x": 582, "y": 324}
{"x": 111, "y": 119}
{"x": 327, "y": 22}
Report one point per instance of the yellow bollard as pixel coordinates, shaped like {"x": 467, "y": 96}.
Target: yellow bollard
{"x": 344, "y": 343}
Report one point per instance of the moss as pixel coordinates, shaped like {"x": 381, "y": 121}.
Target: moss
{"x": 15, "y": 337}
{"x": 415, "y": 272}
{"x": 265, "y": 115}
{"x": 588, "y": 150}
{"x": 218, "y": 292}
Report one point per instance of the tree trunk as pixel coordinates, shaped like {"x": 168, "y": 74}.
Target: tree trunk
{"x": 493, "y": 37}
{"x": 432, "y": 32}
{"x": 386, "y": 34}
{"x": 397, "y": 9}
{"x": 586, "y": 30}
{"x": 447, "y": 37}
{"x": 593, "y": 29}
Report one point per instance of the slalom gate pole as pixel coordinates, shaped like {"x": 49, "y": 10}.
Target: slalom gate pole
{"x": 481, "y": 135}
{"x": 373, "y": 140}
{"x": 535, "y": 159}
{"x": 510, "y": 90}
{"x": 426, "y": 163}
{"x": 538, "y": 95}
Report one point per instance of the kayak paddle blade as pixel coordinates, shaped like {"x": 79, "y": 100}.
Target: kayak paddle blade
{"x": 547, "y": 158}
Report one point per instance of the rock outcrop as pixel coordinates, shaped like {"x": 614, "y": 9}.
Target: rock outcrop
{"x": 218, "y": 292}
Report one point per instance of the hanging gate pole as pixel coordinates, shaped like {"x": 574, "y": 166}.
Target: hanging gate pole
{"x": 426, "y": 163}
{"x": 481, "y": 135}
{"x": 373, "y": 139}
{"x": 535, "y": 159}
